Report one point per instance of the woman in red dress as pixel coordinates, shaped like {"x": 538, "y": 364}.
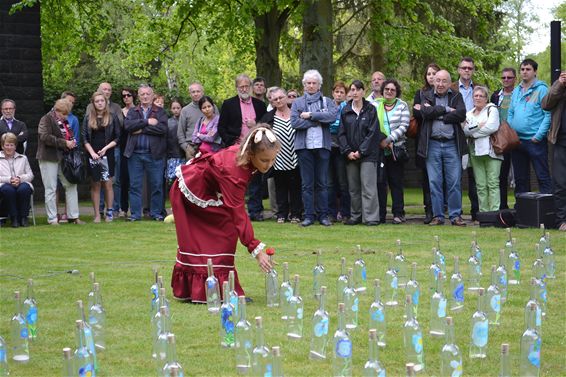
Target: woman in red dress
{"x": 208, "y": 200}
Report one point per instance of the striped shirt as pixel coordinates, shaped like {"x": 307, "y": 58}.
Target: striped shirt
{"x": 286, "y": 158}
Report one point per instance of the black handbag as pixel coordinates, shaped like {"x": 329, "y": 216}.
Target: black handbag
{"x": 400, "y": 153}
{"x": 73, "y": 166}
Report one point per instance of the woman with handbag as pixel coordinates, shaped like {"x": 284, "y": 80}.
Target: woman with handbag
{"x": 481, "y": 122}
{"x": 359, "y": 137}
{"x": 394, "y": 115}
{"x": 56, "y": 138}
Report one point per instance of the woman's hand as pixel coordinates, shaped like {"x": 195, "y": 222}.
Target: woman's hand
{"x": 263, "y": 262}
{"x": 94, "y": 156}
{"x": 70, "y": 144}
{"x": 102, "y": 152}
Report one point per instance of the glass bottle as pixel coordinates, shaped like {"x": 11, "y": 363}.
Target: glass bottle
{"x": 478, "y": 252}
{"x": 351, "y": 302}
{"x": 413, "y": 289}
{"x": 480, "y": 330}
{"x": 285, "y": 292}
{"x": 212, "y": 290}
{"x": 90, "y": 297}
{"x": 513, "y": 265}
{"x": 434, "y": 269}
{"x": 97, "y": 319}
{"x": 233, "y": 297}
{"x": 548, "y": 258}
{"x": 541, "y": 295}
{"x": 542, "y": 239}
{"x": 391, "y": 283}
{"x": 68, "y": 367}
{"x": 505, "y": 363}
{"x": 226, "y": 318}
{"x": 456, "y": 295}
{"x": 89, "y": 337}
{"x": 534, "y": 299}
{"x": 509, "y": 242}
{"x": 342, "y": 281}
{"x": 360, "y": 273}
{"x": 539, "y": 268}
{"x": 320, "y": 319}
{"x": 272, "y": 286}
{"x": 160, "y": 342}
{"x": 172, "y": 362}
{"x": 154, "y": 291}
{"x": 474, "y": 269}
{"x": 450, "y": 356}
{"x": 438, "y": 309}
{"x": 295, "y": 316}
{"x": 277, "y": 367}
{"x": 373, "y": 367}
{"x": 156, "y": 320}
{"x": 401, "y": 266}
{"x": 493, "y": 299}
{"x": 4, "y": 370}
{"x": 531, "y": 342}
{"x": 318, "y": 275}
{"x": 413, "y": 339}
{"x": 84, "y": 363}
{"x": 261, "y": 357}
{"x": 502, "y": 276}
{"x": 377, "y": 315}
{"x": 30, "y": 311}
{"x": 19, "y": 329}
{"x": 342, "y": 345}
{"x": 439, "y": 257}
{"x": 243, "y": 340}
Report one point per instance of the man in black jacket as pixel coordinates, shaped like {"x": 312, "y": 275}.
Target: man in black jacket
{"x": 8, "y": 123}
{"x": 237, "y": 115}
{"x": 442, "y": 144}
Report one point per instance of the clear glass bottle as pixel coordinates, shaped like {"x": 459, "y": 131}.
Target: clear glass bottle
{"x": 342, "y": 346}
{"x": 233, "y": 297}
{"x": 391, "y": 284}
{"x": 413, "y": 289}
{"x": 360, "y": 273}
{"x": 534, "y": 299}
{"x": 502, "y": 276}
{"x": 19, "y": 330}
{"x": 4, "y": 369}
{"x": 373, "y": 367}
{"x": 156, "y": 320}
{"x": 261, "y": 356}
{"x": 434, "y": 269}
{"x": 295, "y": 316}
{"x": 413, "y": 339}
{"x": 90, "y": 296}
{"x": 548, "y": 258}
{"x": 154, "y": 291}
{"x": 30, "y": 311}
{"x": 318, "y": 275}
{"x": 542, "y": 239}
{"x": 285, "y": 292}
{"x": 172, "y": 361}
{"x": 456, "y": 295}
{"x": 377, "y": 315}
{"x": 272, "y": 286}
{"x": 342, "y": 281}
{"x": 438, "y": 309}
{"x": 212, "y": 290}
{"x": 531, "y": 342}
{"x": 160, "y": 343}
{"x": 513, "y": 264}
{"x": 505, "y": 362}
{"x": 243, "y": 340}
{"x": 89, "y": 337}
{"x": 351, "y": 304}
{"x": 226, "y": 318}
{"x": 320, "y": 319}
{"x": 539, "y": 268}
{"x": 68, "y": 367}
{"x": 439, "y": 257}
{"x": 401, "y": 266}
{"x": 450, "y": 356}
{"x": 474, "y": 269}
{"x": 480, "y": 330}
{"x": 277, "y": 367}
{"x": 97, "y": 319}
{"x": 493, "y": 299}
{"x": 478, "y": 254}
{"x": 84, "y": 362}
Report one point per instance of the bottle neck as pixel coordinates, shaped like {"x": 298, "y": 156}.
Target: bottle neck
{"x": 226, "y": 293}
{"x": 480, "y": 299}
{"x": 449, "y": 334}
{"x": 81, "y": 341}
{"x": 343, "y": 268}
{"x": 210, "y": 270}
{"x": 373, "y": 350}
{"x": 409, "y": 311}
{"x": 531, "y": 318}
{"x": 18, "y": 305}
{"x": 81, "y": 312}
{"x": 377, "y": 297}
{"x": 30, "y": 292}
{"x": 322, "y": 301}
{"x": 259, "y": 337}
{"x": 242, "y": 310}
{"x": 286, "y": 275}
{"x": 414, "y": 273}
{"x": 456, "y": 266}
{"x": 341, "y": 321}
{"x": 296, "y": 288}
{"x": 493, "y": 277}
{"x": 171, "y": 353}
{"x": 505, "y": 368}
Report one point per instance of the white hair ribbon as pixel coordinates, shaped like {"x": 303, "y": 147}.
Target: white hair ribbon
{"x": 258, "y": 135}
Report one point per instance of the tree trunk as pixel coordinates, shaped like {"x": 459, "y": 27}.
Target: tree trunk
{"x": 318, "y": 46}
{"x": 377, "y": 58}
{"x": 268, "y": 32}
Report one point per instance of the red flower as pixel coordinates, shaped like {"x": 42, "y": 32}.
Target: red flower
{"x": 270, "y": 251}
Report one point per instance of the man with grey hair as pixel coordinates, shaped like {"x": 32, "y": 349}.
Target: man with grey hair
{"x": 311, "y": 115}
{"x": 9, "y": 123}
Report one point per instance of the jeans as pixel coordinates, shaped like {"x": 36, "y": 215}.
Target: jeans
{"x": 16, "y": 199}
{"x": 444, "y": 167}
{"x": 124, "y": 184}
{"x": 537, "y": 154}
{"x": 255, "y": 195}
{"x": 559, "y": 177}
{"x": 486, "y": 172}
{"x": 313, "y": 164}
{"x": 338, "y": 185}
{"x": 139, "y": 163}
{"x": 116, "y": 183}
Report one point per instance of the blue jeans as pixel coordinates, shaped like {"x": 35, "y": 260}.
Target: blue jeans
{"x": 444, "y": 165}
{"x": 139, "y": 163}
{"x": 255, "y": 195}
{"x": 116, "y": 183}
{"x": 537, "y": 154}
{"x": 313, "y": 164}
{"x": 16, "y": 200}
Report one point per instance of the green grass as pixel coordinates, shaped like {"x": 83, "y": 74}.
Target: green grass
{"x": 122, "y": 256}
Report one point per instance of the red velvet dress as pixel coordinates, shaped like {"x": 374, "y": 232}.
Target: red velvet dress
{"x": 208, "y": 200}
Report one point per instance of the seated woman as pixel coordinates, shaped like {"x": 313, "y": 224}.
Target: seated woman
{"x": 205, "y": 135}
{"x": 15, "y": 181}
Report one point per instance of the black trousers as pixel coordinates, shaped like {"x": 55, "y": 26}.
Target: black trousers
{"x": 559, "y": 181}
{"x": 288, "y": 193}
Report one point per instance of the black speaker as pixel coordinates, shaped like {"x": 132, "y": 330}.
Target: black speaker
{"x": 555, "y": 50}
{"x": 533, "y": 209}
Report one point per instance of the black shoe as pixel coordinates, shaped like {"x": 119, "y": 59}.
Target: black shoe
{"x": 372, "y": 223}
{"x": 132, "y": 219}
{"x": 256, "y": 217}
{"x": 325, "y": 222}
{"x": 428, "y": 218}
{"x": 14, "y": 222}
{"x": 24, "y": 222}
{"x": 307, "y": 222}
{"x": 352, "y": 222}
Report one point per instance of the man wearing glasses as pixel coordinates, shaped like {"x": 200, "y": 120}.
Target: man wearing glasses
{"x": 531, "y": 122}
{"x": 502, "y": 99}
{"x": 8, "y": 123}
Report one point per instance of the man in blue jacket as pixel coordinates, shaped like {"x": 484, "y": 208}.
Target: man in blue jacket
{"x": 531, "y": 122}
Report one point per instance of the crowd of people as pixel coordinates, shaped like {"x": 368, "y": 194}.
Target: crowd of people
{"x": 338, "y": 158}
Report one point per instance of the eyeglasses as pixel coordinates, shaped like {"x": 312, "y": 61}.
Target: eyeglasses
{"x": 507, "y": 77}
{"x": 467, "y": 68}
{"x": 126, "y": 95}
{"x": 292, "y": 95}
{"x": 392, "y": 90}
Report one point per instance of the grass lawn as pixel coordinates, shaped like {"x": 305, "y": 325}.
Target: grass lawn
{"x": 122, "y": 256}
